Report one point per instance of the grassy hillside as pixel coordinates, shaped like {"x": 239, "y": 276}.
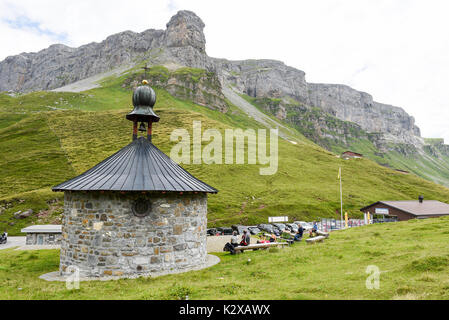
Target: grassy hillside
{"x": 47, "y": 138}
{"x": 412, "y": 257}
{"x": 431, "y": 163}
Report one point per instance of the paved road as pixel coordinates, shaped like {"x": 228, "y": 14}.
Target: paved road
{"x": 13, "y": 242}
{"x": 214, "y": 244}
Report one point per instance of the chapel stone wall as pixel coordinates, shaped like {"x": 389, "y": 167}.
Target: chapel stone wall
{"x": 102, "y": 236}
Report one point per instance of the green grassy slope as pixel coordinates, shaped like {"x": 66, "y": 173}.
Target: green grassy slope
{"x": 42, "y": 146}
{"x": 412, "y": 257}
{"x": 431, "y": 163}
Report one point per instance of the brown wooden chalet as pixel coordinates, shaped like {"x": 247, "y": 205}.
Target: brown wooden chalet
{"x": 410, "y": 209}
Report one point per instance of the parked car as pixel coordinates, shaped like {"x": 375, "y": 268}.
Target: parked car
{"x": 254, "y": 230}
{"x": 266, "y": 227}
{"x": 225, "y": 231}
{"x": 280, "y": 226}
{"x": 293, "y": 227}
{"x": 239, "y": 228}
{"x": 305, "y": 225}
{"x": 212, "y": 232}
{"x": 270, "y": 229}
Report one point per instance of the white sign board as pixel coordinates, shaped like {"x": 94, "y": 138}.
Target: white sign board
{"x": 382, "y": 211}
{"x": 277, "y": 219}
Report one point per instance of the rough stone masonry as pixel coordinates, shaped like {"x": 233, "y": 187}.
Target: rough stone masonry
{"x": 103, "y": 237}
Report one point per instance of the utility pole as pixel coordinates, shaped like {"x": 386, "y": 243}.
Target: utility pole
{"x": 341, "y": 199}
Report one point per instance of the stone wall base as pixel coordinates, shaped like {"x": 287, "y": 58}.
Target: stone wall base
{"x": 55, "y": 276}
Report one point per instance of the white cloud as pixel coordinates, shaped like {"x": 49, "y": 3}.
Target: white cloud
{"x": 397, "y": 50}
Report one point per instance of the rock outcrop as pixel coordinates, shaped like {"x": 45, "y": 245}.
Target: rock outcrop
{"x": 263, "y": 78}
{"x": 185, "y": 29}
{"x": 348, "y": 104}
{"x": 197, "y": 85}
{"x": 59, "y": 65}
{"x": 274, "y": 80}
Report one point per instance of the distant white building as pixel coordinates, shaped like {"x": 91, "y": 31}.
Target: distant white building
{"x": 49, "y": 234}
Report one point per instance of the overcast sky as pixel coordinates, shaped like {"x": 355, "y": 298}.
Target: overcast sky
{"x": 396, "y": 50}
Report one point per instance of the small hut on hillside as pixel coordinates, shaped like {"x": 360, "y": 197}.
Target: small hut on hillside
{"x": 135, "y": 213}
{"x": 351, "y": 155}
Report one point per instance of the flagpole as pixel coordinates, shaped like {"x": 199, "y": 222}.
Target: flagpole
{"x": 341, "y": 200}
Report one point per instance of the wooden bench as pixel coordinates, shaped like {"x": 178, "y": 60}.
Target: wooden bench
{"x": 257, "y": 246}
{"x": 322, "y": 233}
{"x": 315, "y": 240}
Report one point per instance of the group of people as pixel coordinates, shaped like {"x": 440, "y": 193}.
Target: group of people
{"x": 263, "y": 239}
{"x": 236, "y": 241}
{"x": 300, "y": 232}
{"x": 245, "y": 240}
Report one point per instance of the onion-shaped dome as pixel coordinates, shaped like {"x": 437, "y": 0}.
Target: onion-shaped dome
{"x": 144, "y": 99}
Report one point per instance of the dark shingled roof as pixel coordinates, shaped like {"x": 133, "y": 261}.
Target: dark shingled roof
{"x": 139, "y": 166}
{"x": 426, "y": 208}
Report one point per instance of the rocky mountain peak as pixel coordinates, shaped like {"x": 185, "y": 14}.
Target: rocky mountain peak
{"x": 185, "y": 29}
{"x": 183, "y": 43}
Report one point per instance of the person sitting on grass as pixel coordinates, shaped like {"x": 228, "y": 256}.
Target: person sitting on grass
{"x": 273, "y": 238}
{"x": 299, "y": 234}
{"x": 245, "y": 238}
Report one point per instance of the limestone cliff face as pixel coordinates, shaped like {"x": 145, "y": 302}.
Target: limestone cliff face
{"x": 263, "y": 78}
{"x": 183, "y": 44}
{"x": 359, "y": 107}
{"x": 273, "y": 79}
{"x": 185, "y": 29}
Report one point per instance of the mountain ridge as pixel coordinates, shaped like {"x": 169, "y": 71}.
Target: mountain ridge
{"x": 277, "y": 88}
{"x": 184, "y": 42}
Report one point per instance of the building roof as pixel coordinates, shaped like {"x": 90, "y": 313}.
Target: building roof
{"x": 352, "y": 153}
{"x": 140, "y": 166}
{"x": 427, "y": 207}
{"x": 48, "y": 228}
{"x": 402, "y": 171}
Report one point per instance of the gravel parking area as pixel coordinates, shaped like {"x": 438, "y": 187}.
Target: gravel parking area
{"x": 217, "y": 243}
